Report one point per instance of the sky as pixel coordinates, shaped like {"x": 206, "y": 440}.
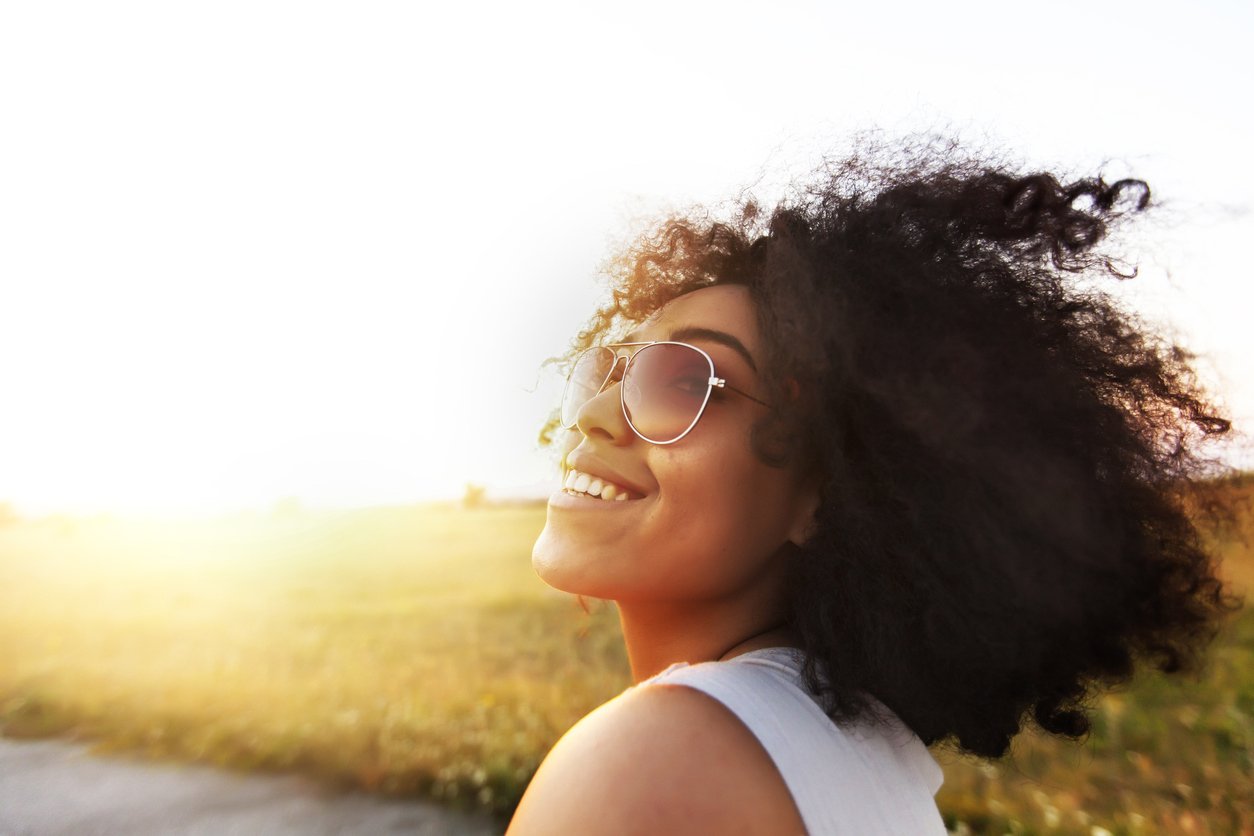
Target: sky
{"x": 262, "y": 250}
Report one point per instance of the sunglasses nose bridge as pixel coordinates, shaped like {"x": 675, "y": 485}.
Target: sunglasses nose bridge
{"x": 609, "y": 376}
{"x": 606, "y": 383}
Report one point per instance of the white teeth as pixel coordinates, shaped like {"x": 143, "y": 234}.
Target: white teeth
{"x": 578, "y": 482}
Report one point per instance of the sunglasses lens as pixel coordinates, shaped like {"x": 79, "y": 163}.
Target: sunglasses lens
{"x": 585, "y": 381}
{"x": 665, "y": 389}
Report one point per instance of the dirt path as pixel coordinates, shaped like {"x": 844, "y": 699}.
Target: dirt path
{"x": 53, "y": 787}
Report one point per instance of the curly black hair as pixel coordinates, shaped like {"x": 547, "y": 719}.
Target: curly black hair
{"x": 1006, "y": 455}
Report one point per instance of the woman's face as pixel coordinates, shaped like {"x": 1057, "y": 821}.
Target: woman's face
{"x": 712, "y": 515}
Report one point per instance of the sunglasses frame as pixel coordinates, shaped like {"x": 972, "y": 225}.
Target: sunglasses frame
{"x": 713, "y": 381}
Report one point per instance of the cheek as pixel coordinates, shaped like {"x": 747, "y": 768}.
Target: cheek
{"x": 717, "y": 531}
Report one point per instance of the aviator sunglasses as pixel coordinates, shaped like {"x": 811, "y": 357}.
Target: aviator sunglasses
{"x": 665, "y": 386}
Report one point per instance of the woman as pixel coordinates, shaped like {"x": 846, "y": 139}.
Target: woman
{"x": 871, "y": 472}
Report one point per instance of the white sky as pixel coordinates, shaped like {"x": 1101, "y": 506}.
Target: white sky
{"x": 251, "y": 250}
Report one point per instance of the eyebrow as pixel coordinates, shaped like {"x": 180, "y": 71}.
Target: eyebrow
{"x": 696, "y": 332}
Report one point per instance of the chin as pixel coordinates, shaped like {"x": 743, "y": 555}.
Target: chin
{"x": 554, "y": 564}
{"x": 567, "y": 569}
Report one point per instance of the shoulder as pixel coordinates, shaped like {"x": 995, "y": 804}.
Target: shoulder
{"x": 656, "y": 760}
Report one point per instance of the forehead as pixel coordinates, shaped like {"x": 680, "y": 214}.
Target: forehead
{"x": 725, "y": 308}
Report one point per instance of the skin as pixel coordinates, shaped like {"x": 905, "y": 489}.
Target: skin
{"x": 696, "y": 568}
{"x": 663, "y": 759}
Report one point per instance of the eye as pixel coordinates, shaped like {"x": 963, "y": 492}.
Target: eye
{"x": 695, "y": 386}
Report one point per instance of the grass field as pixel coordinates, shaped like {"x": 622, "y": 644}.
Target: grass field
{"x": 412, "y": 651}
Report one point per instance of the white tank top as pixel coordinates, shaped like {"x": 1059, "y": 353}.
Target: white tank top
{"x": 858, "y": 779}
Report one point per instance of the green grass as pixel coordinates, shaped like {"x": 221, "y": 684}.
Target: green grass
{"x": 413, "y": 651}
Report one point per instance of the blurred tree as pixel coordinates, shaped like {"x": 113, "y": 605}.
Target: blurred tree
{"x": 474, "y": 497}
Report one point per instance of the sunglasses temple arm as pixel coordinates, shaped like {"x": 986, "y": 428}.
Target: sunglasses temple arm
{"x": 746, "y": 394}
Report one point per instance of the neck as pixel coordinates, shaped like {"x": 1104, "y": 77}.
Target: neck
{"x": 658, "y": 635}
{"x": 745, "y": 645}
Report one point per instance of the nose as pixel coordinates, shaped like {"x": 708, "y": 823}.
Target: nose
{"x": 602, "y": 414}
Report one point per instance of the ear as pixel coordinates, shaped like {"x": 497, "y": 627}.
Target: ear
{"x": 805, "y": 519}
{"x": 793, "y": 388}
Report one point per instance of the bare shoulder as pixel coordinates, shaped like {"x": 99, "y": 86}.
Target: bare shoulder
{"x": 659, "y": 759}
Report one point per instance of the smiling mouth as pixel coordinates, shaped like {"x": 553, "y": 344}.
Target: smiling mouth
{"x": 588, "y": 486}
